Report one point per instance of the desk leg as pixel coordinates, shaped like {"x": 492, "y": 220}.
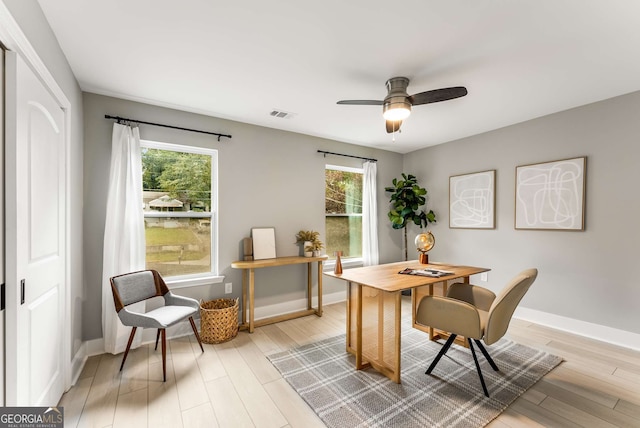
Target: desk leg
{"x": 430, "y": 328}
{"x": 319, "y": 311}
{"x": 398, "y": 344}
{"x": 251, "y": 290}
{"x": 377, "y": 329}
{"x": 381, "y": 314}
{"x": 354, "y": 331}
{"x": 348, "y": 344}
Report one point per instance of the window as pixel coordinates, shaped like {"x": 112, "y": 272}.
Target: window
{"x": 180, "y": 203}
{"x": 343, "y": 211}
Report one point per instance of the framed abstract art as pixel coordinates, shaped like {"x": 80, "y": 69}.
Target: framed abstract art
{"x": 551, "y": 195}
{"x": 472, "y": 200}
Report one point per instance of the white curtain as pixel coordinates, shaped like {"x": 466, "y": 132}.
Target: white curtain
{"x": 369, "y": 216}
{"x": 124, "y": 242}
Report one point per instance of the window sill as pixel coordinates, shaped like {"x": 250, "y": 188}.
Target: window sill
{"x": 193, "y": 281}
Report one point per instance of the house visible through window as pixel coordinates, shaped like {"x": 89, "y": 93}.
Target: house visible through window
{"x": 179, "y": 198}
{"x": 343, "y": 211}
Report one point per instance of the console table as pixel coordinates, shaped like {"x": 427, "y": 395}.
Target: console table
{"x": 248, "y": 268}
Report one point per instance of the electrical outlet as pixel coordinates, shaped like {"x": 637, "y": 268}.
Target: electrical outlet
{"x": 228, "y": 288}
{"x": 484, "y": 277}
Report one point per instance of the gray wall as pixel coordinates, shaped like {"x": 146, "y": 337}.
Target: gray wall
{"x": 266, "y": 178}
{"x": 29, "y": 17}
{"x": 582, "y": 275}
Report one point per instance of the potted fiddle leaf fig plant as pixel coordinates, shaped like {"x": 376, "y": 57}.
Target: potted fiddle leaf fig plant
{"x": 406, "y": 199}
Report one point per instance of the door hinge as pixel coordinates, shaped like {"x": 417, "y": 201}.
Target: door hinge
{"x": 22, "y": 291}
{"x": 2, "y": 301}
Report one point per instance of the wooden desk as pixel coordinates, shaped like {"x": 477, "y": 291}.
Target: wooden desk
{"x": 374, "y": 296}
{"x": 248, "y": 268}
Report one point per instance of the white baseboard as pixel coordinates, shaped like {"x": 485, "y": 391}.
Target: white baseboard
{"x": 77, "y": 363}
{"x": 602, "y": 333}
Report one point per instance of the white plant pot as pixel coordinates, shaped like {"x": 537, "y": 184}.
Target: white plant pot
{"x": 305, "y": 245}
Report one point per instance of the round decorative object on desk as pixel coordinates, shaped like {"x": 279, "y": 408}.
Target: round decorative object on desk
{"x": 424, "y": 242}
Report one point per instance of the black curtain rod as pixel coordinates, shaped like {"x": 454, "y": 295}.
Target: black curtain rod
{"x": 124, "y": 119}
{"x": 347, "y": 156}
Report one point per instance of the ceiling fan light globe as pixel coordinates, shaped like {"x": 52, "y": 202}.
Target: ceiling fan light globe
{"x": 396, "y": 110}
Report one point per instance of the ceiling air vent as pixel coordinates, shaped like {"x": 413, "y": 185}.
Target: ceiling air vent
{"x": 281, "y": 114}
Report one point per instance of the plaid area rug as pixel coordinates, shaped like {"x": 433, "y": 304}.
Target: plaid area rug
{"x": 324, "y": 375}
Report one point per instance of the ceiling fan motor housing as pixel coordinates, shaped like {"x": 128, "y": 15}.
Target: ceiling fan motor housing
{"x": 397, "y": 97}
{"x": 397, "y": 85}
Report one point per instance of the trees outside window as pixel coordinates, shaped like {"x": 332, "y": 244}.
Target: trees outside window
{"x": 180, "y": 203}
{"x": 343, "y": 211}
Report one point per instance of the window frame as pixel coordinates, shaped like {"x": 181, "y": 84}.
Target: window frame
{"x": 204, "y": 278}
{"x": 350, "y": 261}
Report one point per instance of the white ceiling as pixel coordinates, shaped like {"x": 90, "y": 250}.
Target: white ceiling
{"x": 241, "y": 59}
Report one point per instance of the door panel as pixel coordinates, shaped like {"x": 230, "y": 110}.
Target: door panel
{"x": 44, "y": 340}
{"x": 44, "y": 183}
{"x": 35, "y": 233}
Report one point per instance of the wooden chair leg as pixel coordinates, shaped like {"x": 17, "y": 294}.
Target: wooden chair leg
{"x": 126, "y": 352}
{"x": 164, "y": 354}
{"x": 195, "y": 331}
{"x": 157, "y": 337}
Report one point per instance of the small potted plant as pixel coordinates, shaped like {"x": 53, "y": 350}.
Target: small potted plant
{"x": 308, "y": 239}
{"x": 314, "y": 247}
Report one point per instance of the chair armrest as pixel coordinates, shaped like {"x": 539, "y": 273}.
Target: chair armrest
{"x": 479, "y": 297}
{"x": 450, "y": 315}
{"x": 171, "y": 299}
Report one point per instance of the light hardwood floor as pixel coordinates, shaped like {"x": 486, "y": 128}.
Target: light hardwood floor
{"x": 234, "y": 385}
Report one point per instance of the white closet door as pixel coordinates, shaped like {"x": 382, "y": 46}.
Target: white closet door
{"x": 35, "y": 239}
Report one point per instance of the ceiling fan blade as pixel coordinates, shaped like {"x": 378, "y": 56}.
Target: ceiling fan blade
{"x": 361, "y": 102}
{"x": 393, "y": 126}
{"x": 438, "y": 95}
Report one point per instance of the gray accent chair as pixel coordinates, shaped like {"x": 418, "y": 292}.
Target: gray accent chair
{"x": 475, "y": 313}
{"x": 135, "y": 287}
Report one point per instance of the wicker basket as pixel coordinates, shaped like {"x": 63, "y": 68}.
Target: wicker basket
{"x": 218, "y": 320}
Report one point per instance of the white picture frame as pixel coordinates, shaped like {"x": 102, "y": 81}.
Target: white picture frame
{"x": 472, "y": 200}
{"x": 551, "y": 195}
{"x": 264, "y": 243}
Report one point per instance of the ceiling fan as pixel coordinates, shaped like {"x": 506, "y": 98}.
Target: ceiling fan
{"x": 396, "y": 106}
